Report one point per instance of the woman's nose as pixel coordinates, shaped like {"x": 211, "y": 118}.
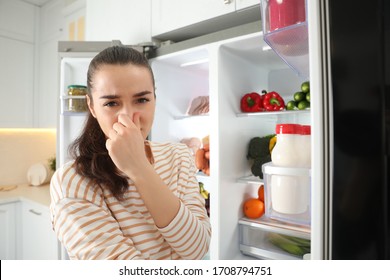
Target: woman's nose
{"x": 127, "y": 110}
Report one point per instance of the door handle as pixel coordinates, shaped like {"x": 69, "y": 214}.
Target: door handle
{"x": 35, "y": 212}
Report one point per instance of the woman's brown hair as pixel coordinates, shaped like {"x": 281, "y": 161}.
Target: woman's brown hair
{"x": 89, "y": 149}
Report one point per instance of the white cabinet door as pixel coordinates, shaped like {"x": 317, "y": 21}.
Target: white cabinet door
{"x": 8, "y": 231}
{"x": 51, "y": 21}
{"x": 17, "y": 83}
{"x": 39, "y": 241}
{"x": 168, "y": 15}
{"x": 51, "y": 28}
{"x": 243, "y": 4}
{"x": 125, "y": 20}
{"x": 17, "y": 20}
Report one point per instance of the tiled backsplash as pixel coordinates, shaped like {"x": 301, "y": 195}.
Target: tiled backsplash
{"x": 21, "y": 148}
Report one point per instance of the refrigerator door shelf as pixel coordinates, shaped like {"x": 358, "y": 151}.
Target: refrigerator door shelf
{"x": 286, "y": 32}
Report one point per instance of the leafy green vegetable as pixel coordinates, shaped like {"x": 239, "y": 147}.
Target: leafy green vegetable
{"x": 259, "y": 147}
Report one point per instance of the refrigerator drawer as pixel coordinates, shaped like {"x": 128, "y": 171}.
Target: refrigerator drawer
{"x": 264, "y": 239}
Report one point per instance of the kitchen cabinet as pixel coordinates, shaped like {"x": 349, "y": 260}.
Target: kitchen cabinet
{"x": 74, "y": 17}
{"x": 17, "y": 83}
{"x": 168, "y": 15}
{"x": 244, "y": 4}
{"x": 180, "y": 20}
{"x": 17, "y": 20}
{"x": 17, "y": 37}
{"x": 51, "y": 26}
{"x": 38, "y": 241}
{"x": 125, "y": 20}
{"x": 225, "y": 71}
{"x": 8, "y": 225}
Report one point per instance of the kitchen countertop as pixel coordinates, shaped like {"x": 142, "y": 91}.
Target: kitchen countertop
{"x": 14, "y": 193}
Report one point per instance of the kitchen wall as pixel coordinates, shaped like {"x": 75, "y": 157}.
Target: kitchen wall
{"x": 21, "y": 148}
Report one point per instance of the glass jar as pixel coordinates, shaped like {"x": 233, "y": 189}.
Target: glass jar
{"x": 77, "y": 98}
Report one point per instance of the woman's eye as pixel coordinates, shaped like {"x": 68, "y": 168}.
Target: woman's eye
{"x": 110, "y": 104}
{"x": 142, "y": 100}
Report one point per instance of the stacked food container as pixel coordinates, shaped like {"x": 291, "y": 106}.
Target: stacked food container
{"x": 287, "y": 177}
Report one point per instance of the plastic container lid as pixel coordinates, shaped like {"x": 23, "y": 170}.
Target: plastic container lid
{"x": 77, "y": 86}
{"x": 288, "y": 128}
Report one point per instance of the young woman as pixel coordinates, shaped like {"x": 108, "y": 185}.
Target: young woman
{"x": 124, "y": 197}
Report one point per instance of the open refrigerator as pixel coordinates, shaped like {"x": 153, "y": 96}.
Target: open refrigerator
{"x": 241, "y": 61}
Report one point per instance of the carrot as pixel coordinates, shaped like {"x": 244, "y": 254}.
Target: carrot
{"x": 207, "y": 154}
{"x": 199, "y": 159}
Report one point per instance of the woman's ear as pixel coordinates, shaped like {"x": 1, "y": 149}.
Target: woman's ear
{"x": 90, "y": 106}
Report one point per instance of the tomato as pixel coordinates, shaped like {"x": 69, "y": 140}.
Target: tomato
{"x": 260, "y": 193}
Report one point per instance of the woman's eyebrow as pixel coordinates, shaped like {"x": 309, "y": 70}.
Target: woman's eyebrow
{"x": 109, "y": 96}
{"x": 142, "y": 93}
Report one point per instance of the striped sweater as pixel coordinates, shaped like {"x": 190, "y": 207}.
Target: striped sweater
{"x": 92, "y": 224}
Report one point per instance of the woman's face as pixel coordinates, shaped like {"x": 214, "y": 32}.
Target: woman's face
{"x": 122, "y": 89}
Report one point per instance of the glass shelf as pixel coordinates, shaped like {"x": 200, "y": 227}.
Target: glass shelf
{"x": 66, "y": 97}
{"x": 250, "y": 180}
{"x": 265, "y": 223}
{"x": 189, "y": 116}
{"x": 69, "y": 113}
{"x": 273, "y": 113}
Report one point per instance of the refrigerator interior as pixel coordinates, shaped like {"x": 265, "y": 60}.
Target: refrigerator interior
{"x": 73, "y": 71}
{"x": 225, "y": 71}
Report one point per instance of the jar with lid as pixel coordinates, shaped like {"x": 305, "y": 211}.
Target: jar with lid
{"x": 77, "y": 98}
{"x": 285, "y": 152}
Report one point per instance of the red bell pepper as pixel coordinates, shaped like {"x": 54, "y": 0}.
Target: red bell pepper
{"x": 273, "y": 101}
{"x": 252, "y": 102}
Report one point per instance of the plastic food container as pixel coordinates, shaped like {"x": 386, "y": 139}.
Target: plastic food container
{"x": 287, "y": 193}
{"x": 285, "y": 13}
{"x": 77, "y": 101}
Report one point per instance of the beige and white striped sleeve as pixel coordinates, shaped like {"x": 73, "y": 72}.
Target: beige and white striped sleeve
{"x": 189, "y": 233}
{"x": 83, "y": 223}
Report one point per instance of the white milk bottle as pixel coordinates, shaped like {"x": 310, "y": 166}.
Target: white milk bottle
{"x": 285, "y": 152}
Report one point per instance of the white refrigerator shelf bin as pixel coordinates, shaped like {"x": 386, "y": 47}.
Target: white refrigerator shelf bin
{"x": 267, "y": 239}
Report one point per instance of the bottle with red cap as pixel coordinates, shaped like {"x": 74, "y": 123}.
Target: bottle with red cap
{"x": 285, "y": 152}
{"x": 306, "y": 146}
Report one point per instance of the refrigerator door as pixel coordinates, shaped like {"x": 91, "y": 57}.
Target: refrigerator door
{"x": 358, "y": 203}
